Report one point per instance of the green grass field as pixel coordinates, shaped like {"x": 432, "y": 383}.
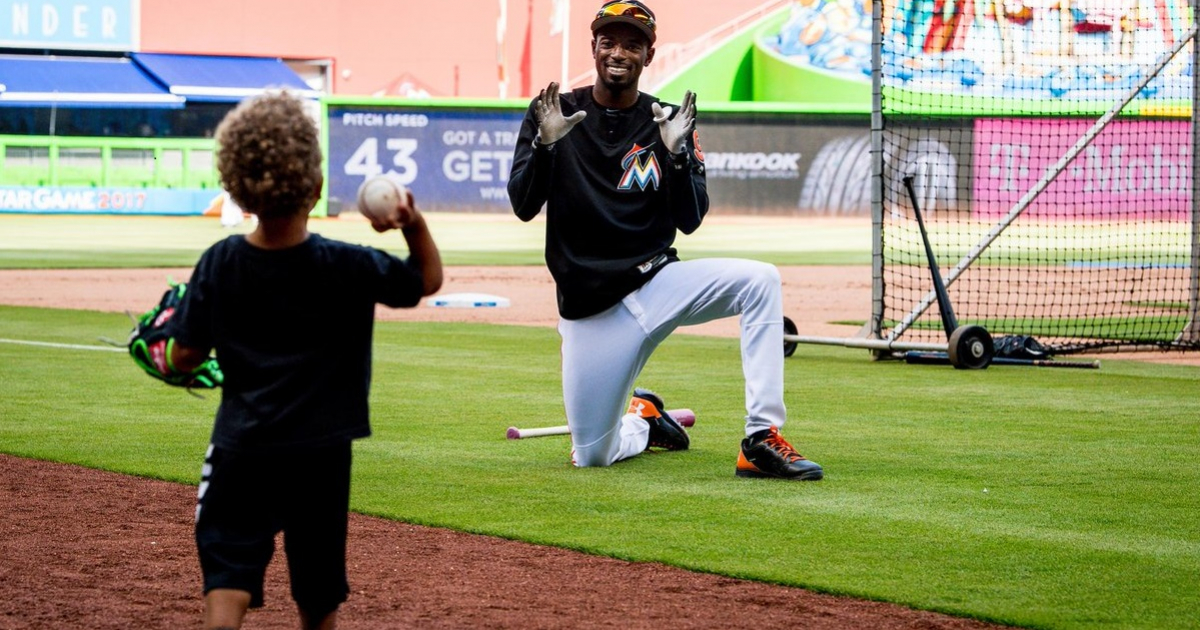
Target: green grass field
{"x": 1035, "y": 497}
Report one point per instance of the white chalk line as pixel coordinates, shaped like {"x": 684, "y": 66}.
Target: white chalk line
{"x": 65, "y": 346}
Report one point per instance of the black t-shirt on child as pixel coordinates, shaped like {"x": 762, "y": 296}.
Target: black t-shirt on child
{"x": 292, "y": 330}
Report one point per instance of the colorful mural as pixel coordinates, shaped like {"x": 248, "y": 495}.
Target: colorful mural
{"x": 1075, "y": 49}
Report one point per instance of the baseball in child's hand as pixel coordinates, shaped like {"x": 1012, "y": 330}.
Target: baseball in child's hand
{"x": 385, "y": 201}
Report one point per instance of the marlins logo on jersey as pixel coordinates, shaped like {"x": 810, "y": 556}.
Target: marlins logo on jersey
{"x": 641, "y": 168}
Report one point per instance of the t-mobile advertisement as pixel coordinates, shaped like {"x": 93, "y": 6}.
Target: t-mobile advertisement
{"x": 1134, "y": 168}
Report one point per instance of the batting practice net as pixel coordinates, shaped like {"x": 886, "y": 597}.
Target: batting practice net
{"x": 1050, "y": 148}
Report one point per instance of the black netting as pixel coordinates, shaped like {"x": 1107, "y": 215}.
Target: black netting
{"x": 979, "y": 102}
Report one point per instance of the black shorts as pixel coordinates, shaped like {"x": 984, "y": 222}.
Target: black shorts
{"x": 246, "y": 499}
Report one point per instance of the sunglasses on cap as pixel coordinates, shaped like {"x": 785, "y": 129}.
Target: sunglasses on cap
{"x": 632, "y": 12}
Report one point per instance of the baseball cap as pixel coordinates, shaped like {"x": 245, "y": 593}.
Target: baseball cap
{"x": 629, "y": 12}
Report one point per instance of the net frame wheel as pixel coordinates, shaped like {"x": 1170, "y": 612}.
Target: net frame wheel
{"x": 971, "y": 348}
{"x": 789, "y": 328}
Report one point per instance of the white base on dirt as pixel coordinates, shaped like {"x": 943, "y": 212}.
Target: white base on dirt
{"x": 469, "y": 300}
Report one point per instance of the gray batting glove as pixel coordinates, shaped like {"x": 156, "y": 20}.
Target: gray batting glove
{"x": 674, "y": 131}
{"x": 552, "y": 125}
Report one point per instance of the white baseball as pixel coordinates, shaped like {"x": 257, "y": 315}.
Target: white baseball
{"x": 383, "y": 196}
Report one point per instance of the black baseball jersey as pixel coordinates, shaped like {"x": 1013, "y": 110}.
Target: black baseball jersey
{"x": 292, "y": 330}
{"x": 614, "y": 197}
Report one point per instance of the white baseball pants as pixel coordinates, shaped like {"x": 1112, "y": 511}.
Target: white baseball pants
{"x": 602, "y": 355}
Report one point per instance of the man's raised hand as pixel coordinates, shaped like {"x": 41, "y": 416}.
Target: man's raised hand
{"x": 674, "y": 131}
{"x": 552, "y": 125}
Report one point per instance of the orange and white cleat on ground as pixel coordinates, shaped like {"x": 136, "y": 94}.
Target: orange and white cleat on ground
{"x": 766, "y": 454}
{"x": 665, "y": 432}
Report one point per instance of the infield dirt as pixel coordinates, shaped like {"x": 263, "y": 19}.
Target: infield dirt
{"x": 84, "y": 548}
{"x": 813, "y": 296}
{"x": 823, "y": 301}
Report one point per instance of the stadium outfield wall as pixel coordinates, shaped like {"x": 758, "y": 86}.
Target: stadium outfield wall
{"x": 455, "y": 155}
{"x": 762, "y": 158}
{"x": 84, "y": 175}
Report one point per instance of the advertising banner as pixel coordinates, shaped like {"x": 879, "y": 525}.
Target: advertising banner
{"x": 939, "y": 159}
{"x": 459, "y": 161}
{"x": 1134, "y": 168}
{"x": 87, "y": 200}
{"x": 75, "y": 24}
{"x": 787, "y": 164}
{"x": 452, "y": 160}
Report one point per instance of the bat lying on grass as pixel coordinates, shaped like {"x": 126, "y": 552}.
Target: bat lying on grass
{"x": 941, "y": 358}
{"x": 685, "y": 417}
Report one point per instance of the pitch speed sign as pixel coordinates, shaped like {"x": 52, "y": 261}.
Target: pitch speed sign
{"x": 453, "y": 160}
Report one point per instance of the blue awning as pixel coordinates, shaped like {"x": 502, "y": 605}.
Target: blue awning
{"x": 35, "y": 81}
{"x": 222, "y": 79}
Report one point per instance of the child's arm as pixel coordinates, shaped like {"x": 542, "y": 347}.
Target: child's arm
{"x": 423, "y": 253}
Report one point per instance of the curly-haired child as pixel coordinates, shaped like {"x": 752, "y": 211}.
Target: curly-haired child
{"x": 291, "y": 316}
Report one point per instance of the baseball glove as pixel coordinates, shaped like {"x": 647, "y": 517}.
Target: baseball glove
{"x": 1020, "y": 347}
{"x": 150, "y": 346}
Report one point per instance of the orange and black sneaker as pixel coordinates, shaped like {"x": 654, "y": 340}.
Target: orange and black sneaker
{"x": 665, "y": 432}
{"x": 766, "y": 454}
